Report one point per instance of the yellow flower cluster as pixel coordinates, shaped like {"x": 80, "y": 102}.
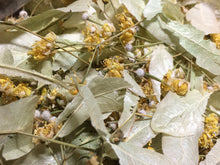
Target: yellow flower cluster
{"x": 211, "y": 129}
{"x": 126, "y": 21}
{"x": 46, "y": 131}
{"x": 216, "y": 39}
{"x": 94, "y": 36}
{"x": 43, "y": 49}
{"x": 8, "y": 87}
{"x": 113, "y": 67}
{"x": 176, "y": 84}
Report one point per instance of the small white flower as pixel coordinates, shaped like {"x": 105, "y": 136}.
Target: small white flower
{"x": 140, "y": 72}
{"x": 129, "y": 47}
{"x": 46, "y": 115}
{"x": 85, "y": 16}
{"x": 37, "y": 114}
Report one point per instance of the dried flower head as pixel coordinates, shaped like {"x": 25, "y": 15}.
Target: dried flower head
{"x": 44, "y": 48}
{"x": 113, "y": 67}
{"x": 211, "y": 130}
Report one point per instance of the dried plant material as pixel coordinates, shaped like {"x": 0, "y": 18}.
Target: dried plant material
{"x": 202, "y": 16}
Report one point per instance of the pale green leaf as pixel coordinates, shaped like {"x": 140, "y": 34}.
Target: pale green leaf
{"x": 154, "y": 28}
{"x": 191, "y": 39}
{"x": 152, "y": 8}
{"x": 182, "y": 150}
{"x": 135, "y": 155}
{"x": 127, "y": 118}
{"x": 93, "y": 110}
{"x": 103, "y": 89}
{"x": 141, "y": 133}
{"x": 214, "y": 100}
{"x": 111, "y": 102}
{"x": 63, "y": 60}
{"x": 39, "y": 155}
{"x": 17, "y": 116}
{"x": 213, "y": 157}
{"x": 6, "y": 56}
{"x": 202, "y": 16}
{"x": 180, "y": 116}
{"x": 135, "y": 87}
{"x": 100, "y": 85}
{"x": 161, "y": 62}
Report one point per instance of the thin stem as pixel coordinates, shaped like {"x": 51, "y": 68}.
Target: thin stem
{"x": 49, "y": 140}
{"x": 29, "y": 31}
{"x": 122, "y": 125}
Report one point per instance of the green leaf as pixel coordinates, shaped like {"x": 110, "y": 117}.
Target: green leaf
{"x": 180, "y": 116}
{"x": 161, "y": 62}
{"x": 127, "y": 118}
{"x": 141, "y": 133}
{"x": 133, "y": 155}
{"x": 17, "y": 116}
{"x": 191, "y": 39}
{"x": 152, "y": 8}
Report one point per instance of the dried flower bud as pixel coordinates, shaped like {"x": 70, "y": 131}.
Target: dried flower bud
{"x": 140, "y": 72}
{"x": 46, "y": 115}
{"x": 85, "y": 16}
{"x": 23, "y": 14}
{"x": 37, "y": 114}
{"x": 129, "y": 47}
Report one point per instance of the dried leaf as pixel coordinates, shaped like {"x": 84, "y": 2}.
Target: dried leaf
{"x": 207, "y": 56}
{"x": 202, "y": 16}
{"x": 182, "y": 150}
{"x": 17, "y": 116}
{"x": 135, "y": 87}
{"x": 133, "y": 155}
{"x": 180, "y": 116}
{"x": 127, "y": 117}
{"x": 141, "y": 133}
{"x": 93, "y": 110}
{"x": 152, "y": 8}
{"x": 161, "y": 62}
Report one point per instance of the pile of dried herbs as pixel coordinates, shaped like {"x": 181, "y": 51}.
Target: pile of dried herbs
{"x": 111, "y": 82}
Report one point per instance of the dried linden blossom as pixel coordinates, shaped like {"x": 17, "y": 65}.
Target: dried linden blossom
{"x": 94, "y": 36}
{"x": 211, "y": 130}
{"x": 216, "y": 39}
{"x": 8, "y": 87}
{"x": 177, "y": 84}
{"x": 43, "y": 49}
{"x": 46, "y": 131}
{"x": 113, "y": 67}
{"x": 126, "y": 21}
